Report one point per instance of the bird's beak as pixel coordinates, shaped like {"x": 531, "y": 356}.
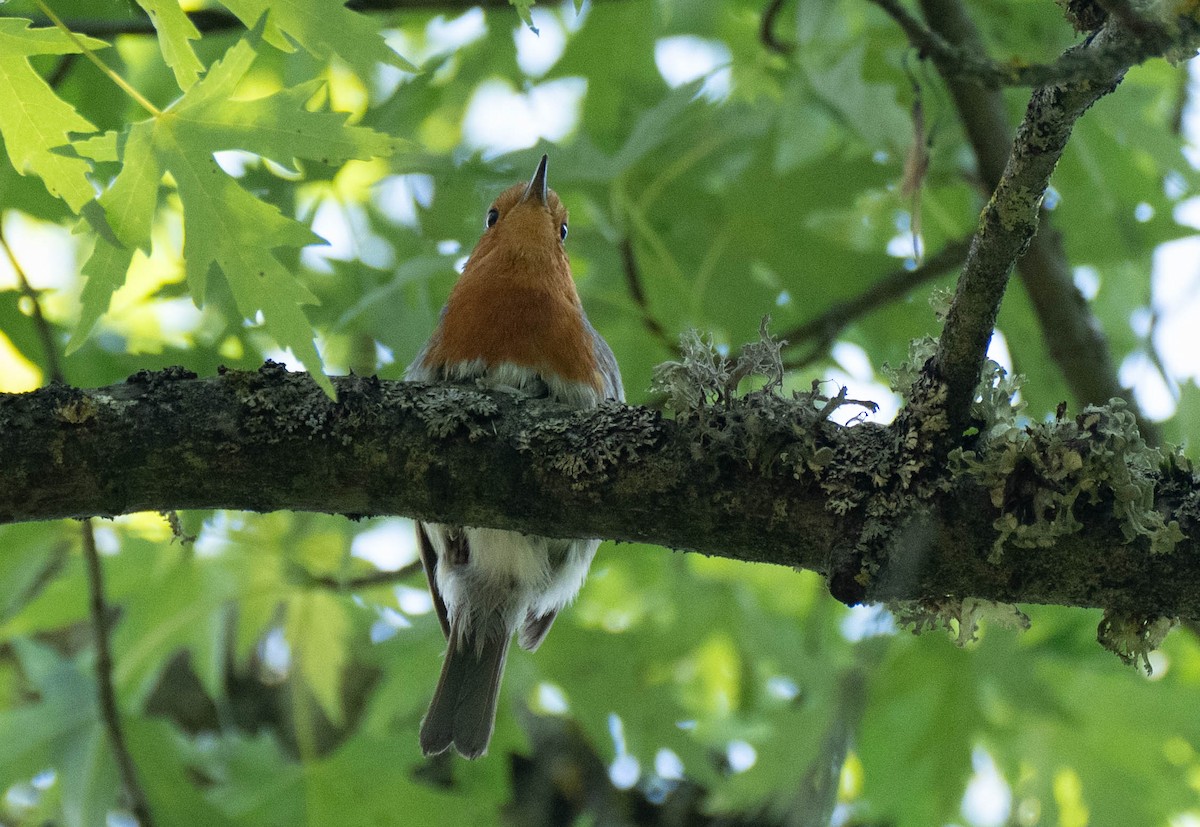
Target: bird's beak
{"x": 537, "y": 185}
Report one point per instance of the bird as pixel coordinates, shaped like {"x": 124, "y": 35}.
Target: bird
{"x": 513, "y": 321}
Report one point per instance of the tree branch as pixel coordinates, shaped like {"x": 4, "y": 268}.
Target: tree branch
{"x": 1010, "y": 221}
{"x": 1073, "y": 336}
{"x": 209, "y": 21}
{"x": 824, "y": 329}
{"x": 958, "y": 61}
{"x": 757, "y": 480}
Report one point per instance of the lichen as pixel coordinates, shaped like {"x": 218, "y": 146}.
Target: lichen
{"x": 582, "y": 444}
{"x": 1038, "y": 474}
{"x": 959, "y": 617}
{"x": 452, "y": 409}
{"x": 763, "y": 427}
{"x": 703, "y": 377}
{"x": 1132, "y": 637}
{"x": 78, "y": 410}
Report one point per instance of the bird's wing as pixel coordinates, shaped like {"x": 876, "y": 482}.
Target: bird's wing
{"x": 417, "y": 370}
{"x": 607, "y": 364}
{"x": 429, "y": 560}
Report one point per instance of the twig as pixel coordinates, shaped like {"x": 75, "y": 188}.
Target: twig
{"x": 1010, "y": 221}
{"x": 633, "y": 280}
{"x": 1074, "y": 66}
{"x": 367, "y": 581}
{"x": 53, "y": 367}
{"x": 104, "y": 668}
{"x": 97, "y": 605}
{"x": 825, "y": 328}
{"x": 64, "y": 66}
{"x": 766, "y": 30}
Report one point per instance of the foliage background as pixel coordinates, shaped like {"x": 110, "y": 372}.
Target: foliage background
{"x": 269, "y": 673}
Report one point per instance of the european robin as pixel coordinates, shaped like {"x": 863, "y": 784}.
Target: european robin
{"x": 513, "y": 321}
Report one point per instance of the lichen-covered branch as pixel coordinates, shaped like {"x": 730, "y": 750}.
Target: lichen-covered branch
{"x": 1010, "y": 221}
{"x": 759, "y": 478}
{"x": 1073, "y": 336}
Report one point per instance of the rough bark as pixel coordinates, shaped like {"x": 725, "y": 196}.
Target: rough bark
{"x": 760, "y": 479}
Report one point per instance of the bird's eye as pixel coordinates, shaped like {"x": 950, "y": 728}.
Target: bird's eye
{"x": 492, "y": 217}
{"x": 562, "y": 231}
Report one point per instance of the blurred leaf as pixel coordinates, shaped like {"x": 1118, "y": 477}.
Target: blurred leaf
{"x": 321, "y": 28}
{"x": 317, "y": 629}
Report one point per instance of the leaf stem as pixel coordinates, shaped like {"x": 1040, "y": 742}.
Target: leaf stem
{"x": 100, "y": 64}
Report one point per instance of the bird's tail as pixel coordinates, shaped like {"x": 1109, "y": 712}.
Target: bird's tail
{"x": 462, "y": 713}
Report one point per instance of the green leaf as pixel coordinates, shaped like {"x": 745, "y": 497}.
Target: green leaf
{"x": 279, "y": 127}
{"x": 317, "y": 628}
{"x": 62, "y": 731}
{"x": 323, "y": 30}
{"x": 33, "y": 119}
{"x": 105, "y": 272}
{"x": 160, "y": 753}
{"x": 129, "y": 203}
{"x": 175, "y": 34}
{"x": 868, "y": 109}
{"x": 179, "y": 606}
{"x": 223, "y": 224}
{"x": 523, "y": 8}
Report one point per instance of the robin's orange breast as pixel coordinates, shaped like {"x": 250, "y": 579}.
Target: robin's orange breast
{"x": 535, "y": 326}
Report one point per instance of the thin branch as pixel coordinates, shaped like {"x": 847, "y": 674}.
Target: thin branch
{"x": 50, "y": 352}
{"x": 61, "y": 69}
{"x": 1010, "y": 222}
{"x": 1074, "y": 66}
{"x": 1072, "y": 334}
{"x": 766, "y": 30}
{"x": 824, "y": 329}
{"x": 367, "y": 581}
{"x": 633, "y": 280}
{"x": 104, "y": 682}
{"x": 97, "y": 605}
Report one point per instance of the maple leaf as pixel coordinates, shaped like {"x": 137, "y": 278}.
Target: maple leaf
{"x": 223, "y": 224}
{"x": 33, "y": 119}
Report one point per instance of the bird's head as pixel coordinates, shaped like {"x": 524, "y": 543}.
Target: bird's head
{"x": 526, "y": 222}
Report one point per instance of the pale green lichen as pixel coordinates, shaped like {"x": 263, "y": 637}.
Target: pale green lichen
{"x": 587, "y": 444}
{"x": 763, "y": 426}
{"x": 960, "y": 618}
{"x": 1037, "y": 474}
{"x": 1132, "y": 637}
{"x": 703, "y": 376}
{"x": 452, "y": 409}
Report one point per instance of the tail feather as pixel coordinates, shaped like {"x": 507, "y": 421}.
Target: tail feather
{"x": 462, "y": 713}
